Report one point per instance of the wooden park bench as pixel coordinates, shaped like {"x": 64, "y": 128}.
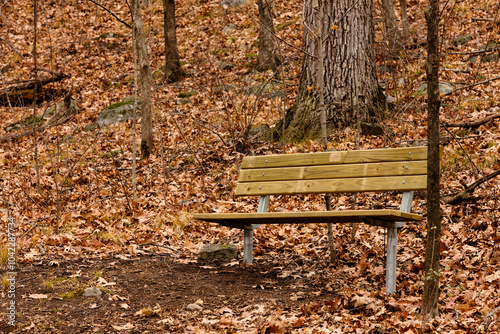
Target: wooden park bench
{"x": 378, "y": 170}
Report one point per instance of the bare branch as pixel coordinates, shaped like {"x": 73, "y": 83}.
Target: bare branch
{"x": 477, "y": 83}
{"x": 114, "y": 15}
{"x": 12, "y": 47}
{"x": 467, "y": 193}
{"x": 472, "y": 124}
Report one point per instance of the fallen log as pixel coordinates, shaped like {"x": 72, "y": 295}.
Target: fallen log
{"x": 23, "y": 91}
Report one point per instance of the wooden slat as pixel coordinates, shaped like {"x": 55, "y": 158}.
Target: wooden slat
{"x": 334, "y": 171}
{"x": 373, "y": 217}
{"x": 395, "y": 183}
{"x": 335, "y": 158}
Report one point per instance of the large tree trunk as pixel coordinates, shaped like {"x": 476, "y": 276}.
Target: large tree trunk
{"x": 349, "y": 74}
{"x": 432, "y": 248}
{"x": 173, "y": 70}
{"x": 146, "y": 78}
{"x": 267, "y": 56}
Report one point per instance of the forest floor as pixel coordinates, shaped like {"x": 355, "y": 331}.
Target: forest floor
{"x": 69, "y": 193}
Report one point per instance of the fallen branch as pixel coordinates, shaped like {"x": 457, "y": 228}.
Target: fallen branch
{"x": 468, "y": 52}
{"x": 12, "y": 47}
{"x": 488, "y": 317}
{"x": 484, "y": 19}
{"x": 467, "y": 193}
{"x": 472, "y": 124}
{"x": 476, "y": 84}
{"x": 114, "y": 15}
{"x": 24, "y": 89}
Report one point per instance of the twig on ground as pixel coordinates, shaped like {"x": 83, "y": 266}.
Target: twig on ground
{"x": 12, "y": 47}
{"x": 477, "y": 83}
{"x": 467, "y": 193}
{"x": 486, "y": 322}
{"x": 471, "y": 124}
{"x": 156, "y": 245}
{"x": 32, "y": 227}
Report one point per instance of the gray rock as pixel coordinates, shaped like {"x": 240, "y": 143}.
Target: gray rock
{"x": 229, "y": 28}
{"x": 444, "y": 88}
{"x": 183, "y": 101}
{"x": 484, "y": 58}
{"x": 218, "y": 253}
{"x": 489, "y": 58}
{"x": 258, "y": 130}
{"x": 25, "y": 123}
{"x": 224, "y": 66}
{"x": 49, "y": 112}
{"x": 233, "y": 3}
{"x": 194, "y": 307}
{"x": 92, "y": 292}
{"x": 461, "y": 40}
{"x": 91, "y": 127}
{"x": 118, "y": 112}
{"x": 183, "y": 95}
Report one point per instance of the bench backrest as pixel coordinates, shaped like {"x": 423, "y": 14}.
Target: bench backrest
{"x": 394, "y": 169}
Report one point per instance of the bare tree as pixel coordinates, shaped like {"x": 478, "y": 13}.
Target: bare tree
{"x": 391, "y": 27}
{"x": 319, "y": 54}
{"x": 432, "y": 249}
{"x": 267, "y": 57}
{"x": 404, "y": 19}
{"x": 146, "y": 79}
{"x": 173, "y": 69}
{"x": 35, "y": 141}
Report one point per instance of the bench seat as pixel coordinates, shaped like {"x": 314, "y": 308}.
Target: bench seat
{"x": 384, "y": 218}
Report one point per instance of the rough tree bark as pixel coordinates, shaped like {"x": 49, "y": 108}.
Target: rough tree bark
{"x": 266, "y": 59}
{"x": 432, "y": 249}
{"x": 391, "y": 27}
{"x": 146, "y": 79}
{"x": 348, "y": 67}
{"x": 404, "y": 19}
{"x": 173, "y": 69}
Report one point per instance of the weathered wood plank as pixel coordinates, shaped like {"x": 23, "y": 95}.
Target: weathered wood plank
{"x": 320, "y": 186}
{"x": 376, "y": 217}
{"x": 334, "y": 171}
{"x": 335, "y": 158}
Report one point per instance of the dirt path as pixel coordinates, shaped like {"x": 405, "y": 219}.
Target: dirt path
{"x": 152, "y": 293}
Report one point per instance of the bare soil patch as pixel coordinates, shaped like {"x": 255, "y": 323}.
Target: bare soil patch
{"x": 166, "y": 286}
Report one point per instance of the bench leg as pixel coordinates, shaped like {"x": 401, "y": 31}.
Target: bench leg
{"x": 392, "y": 249}
{"x": 248, "y": 246}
